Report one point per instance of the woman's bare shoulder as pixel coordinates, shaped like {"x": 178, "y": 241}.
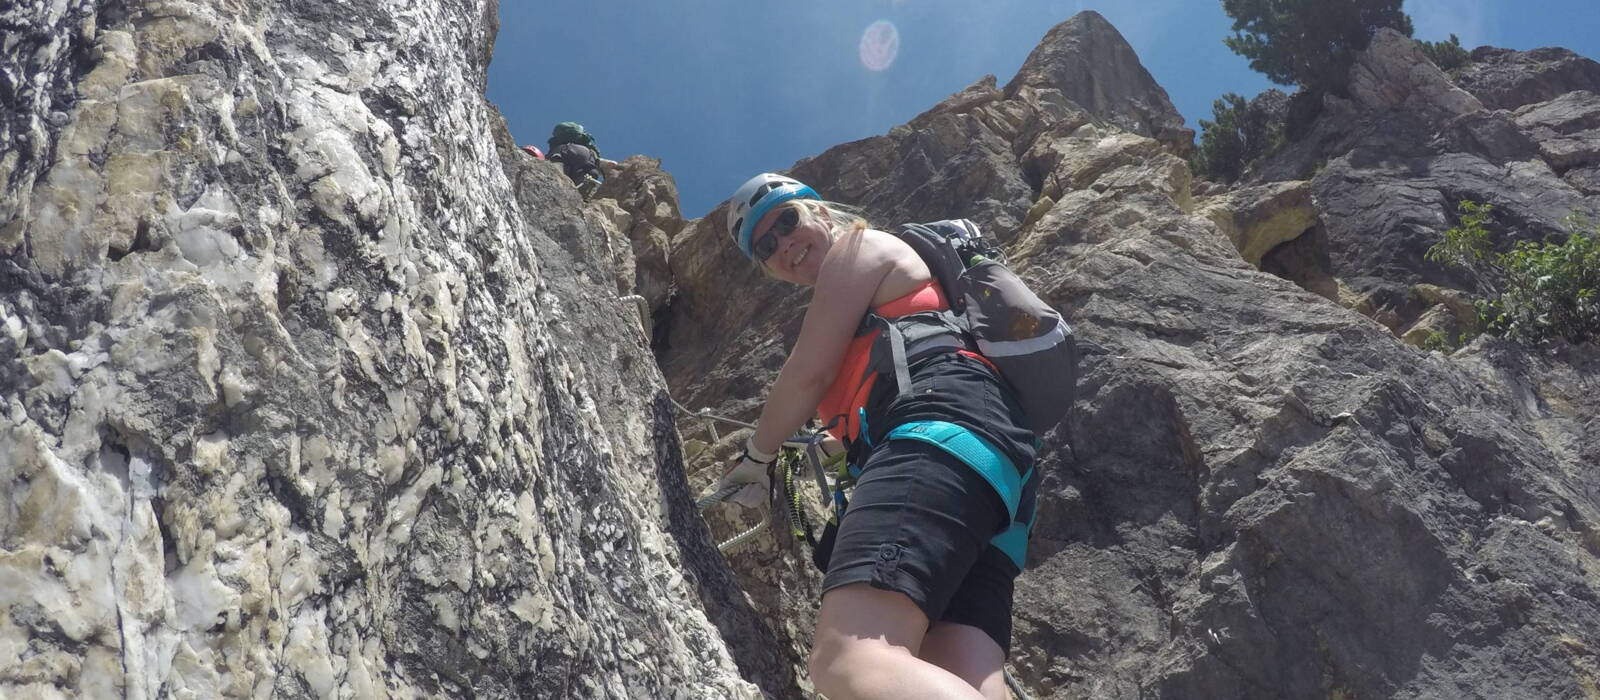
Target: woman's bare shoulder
{"x": 906, "y": 271}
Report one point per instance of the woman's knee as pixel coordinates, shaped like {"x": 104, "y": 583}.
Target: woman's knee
{"x": 859, "y": 624}
{"x": 843, "y": 667}
{"x": 824, "y": 666}
{"x": 969, "y": 653}
{"x": 827, "y": 650}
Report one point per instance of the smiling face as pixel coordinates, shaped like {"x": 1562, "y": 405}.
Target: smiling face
{"x": 798, "y": 254}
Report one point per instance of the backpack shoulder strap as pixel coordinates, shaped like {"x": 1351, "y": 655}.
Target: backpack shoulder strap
{"x": 897, "y": 350}
{"x": 935, "y": 243}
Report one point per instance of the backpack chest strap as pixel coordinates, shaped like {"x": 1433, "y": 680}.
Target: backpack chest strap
{"x": 907, "y": 339}
{"x": 897, "y": 350}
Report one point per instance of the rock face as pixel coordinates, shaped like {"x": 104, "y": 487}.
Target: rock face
{"x": 1410, "y": 145}
{"x": 1259, "y": 219}
{"x": 1271, "y": 495}
{"x": 1567, "y": 130}
{"x": 650, "y": 198}
{"x": 1393, "y": 75}
{"x": 314, "y": 384}
{"x": 310, "y": 385}
{"x": 1506, "y": 79}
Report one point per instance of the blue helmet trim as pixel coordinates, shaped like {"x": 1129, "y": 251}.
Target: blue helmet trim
{"x": 772, "y": 199}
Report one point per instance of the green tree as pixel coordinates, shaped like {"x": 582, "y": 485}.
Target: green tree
{"x": 1233, "y": 137}
{"x": 1447, "y": 55}
{"x": 1537, "y": 291}
{"x": 1310, "y": 43}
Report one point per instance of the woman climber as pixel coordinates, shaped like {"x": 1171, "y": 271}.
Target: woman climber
{"x": 917, "y": 593}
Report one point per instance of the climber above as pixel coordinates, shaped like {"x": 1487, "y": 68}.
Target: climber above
{"x": 573, "y": 147}
{"x": 917, "y": 597}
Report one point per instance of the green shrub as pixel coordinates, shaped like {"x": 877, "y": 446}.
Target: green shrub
{"x": 1310, "y": 43}
{"x": 1447, "y": 55}
{"x": 1467, "y": 244}
{"x": 1235, "y": 136}
{"x": 1438, "y": 341}
{"x": 1536, "y": 292}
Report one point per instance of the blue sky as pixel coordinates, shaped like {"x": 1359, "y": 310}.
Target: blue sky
{"x": 720, "y": 90}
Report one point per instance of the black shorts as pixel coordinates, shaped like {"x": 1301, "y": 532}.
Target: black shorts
{"x": 919, "y": 523}
{"x": 576, "y": 160}
{"x": 920, "y": 520}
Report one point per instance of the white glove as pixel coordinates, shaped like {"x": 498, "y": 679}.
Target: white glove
{"x": 752, "y": 470}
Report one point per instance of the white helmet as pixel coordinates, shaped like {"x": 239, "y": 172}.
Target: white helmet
{"x": 755, "y": 198}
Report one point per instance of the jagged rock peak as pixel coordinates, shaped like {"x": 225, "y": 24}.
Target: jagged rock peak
{"x": 1090, "y": 63}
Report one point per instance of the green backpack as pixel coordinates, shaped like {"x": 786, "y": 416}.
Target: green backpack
{"x": 572, "y": 132}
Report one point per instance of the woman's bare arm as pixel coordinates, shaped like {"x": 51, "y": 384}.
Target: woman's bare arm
{"x": 856, "y": 264}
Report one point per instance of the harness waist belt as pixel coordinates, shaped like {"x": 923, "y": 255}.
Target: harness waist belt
{"x": 975, "y": 452}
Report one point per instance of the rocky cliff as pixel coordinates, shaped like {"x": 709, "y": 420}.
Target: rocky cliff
{"x": 314, "y": 385}
{"x": 311, "y": 386}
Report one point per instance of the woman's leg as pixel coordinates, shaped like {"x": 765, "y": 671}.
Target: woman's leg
{"x": 866, "y": 646}
{"x": 969, "y": 653}
{"x": 971, "y": 637}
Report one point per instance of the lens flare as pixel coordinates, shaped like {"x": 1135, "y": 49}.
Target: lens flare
{"x": 880, "y": 43}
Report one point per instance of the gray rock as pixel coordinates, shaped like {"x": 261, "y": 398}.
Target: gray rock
{"x": 1566, "y": 128}
{"x": 1337, "y": 127}
{"x": 38, "y": 75}
{"x": 650, "y": 197}
{"x": 1406, "y": 149}
{"x": 974, "y": 96}
{"x": 1393, "y": 74}
{"x": 1094, "y": 67}
{"x": 1585, "y": 180}
{"x": 1383, "y": 207}
{"x": 1494, "y": 135}
{"x": 957, "y": 155}
{"x": 1393, "y": 85}
{"x": 314, "y": 387}
{"x": 1506, "y": 79}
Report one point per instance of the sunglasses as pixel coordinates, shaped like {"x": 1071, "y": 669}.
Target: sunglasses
{"x": 767, "y": 244}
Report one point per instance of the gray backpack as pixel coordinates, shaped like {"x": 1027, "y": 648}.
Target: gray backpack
{"x": 993, "y": 313}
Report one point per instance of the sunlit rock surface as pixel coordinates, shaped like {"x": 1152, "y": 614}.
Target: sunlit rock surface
{"x": 307, "y": 389}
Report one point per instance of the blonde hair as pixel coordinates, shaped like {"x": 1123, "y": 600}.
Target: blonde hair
{"x": 841, "y": 218}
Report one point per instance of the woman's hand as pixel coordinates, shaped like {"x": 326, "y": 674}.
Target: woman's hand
{"x": 753, "y": 470}
{"x": 831, "y": 446}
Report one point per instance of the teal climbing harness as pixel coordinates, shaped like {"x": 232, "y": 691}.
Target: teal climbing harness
{"x": 974, "y": 451}
{"x": 990, "y": 463}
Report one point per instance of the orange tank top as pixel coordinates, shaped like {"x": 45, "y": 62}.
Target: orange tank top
{"x": 840, "y": 407}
